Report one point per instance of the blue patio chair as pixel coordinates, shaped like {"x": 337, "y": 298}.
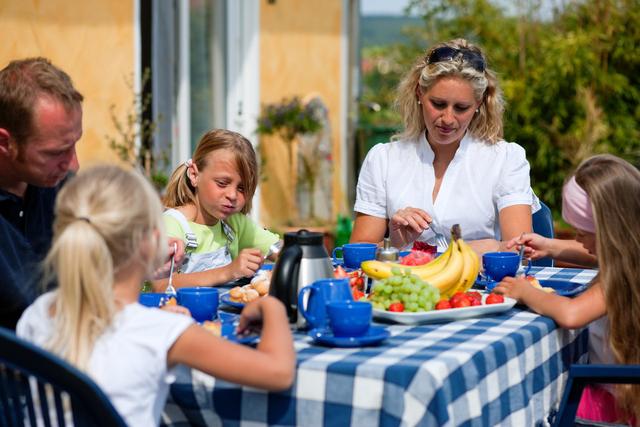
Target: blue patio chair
{"x": 543, "y": 225}
{"x": 580, "y": 376}
{"x": 36, "y": 386}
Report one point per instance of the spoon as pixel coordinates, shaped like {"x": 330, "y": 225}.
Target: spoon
{"x": 170, "y": 289}
{"x": 521, "y": 252}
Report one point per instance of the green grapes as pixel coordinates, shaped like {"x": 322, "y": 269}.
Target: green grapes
{"x": 406, "y": 288}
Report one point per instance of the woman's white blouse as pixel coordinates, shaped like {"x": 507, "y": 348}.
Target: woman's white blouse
{"x": 481, "y": 180}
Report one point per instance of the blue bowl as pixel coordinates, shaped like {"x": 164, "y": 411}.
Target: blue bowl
{"x": 151, "y": 299}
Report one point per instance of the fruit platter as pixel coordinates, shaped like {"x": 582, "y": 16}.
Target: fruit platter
{"x": 488, "y": 303}
{"x": 432, "y": 292}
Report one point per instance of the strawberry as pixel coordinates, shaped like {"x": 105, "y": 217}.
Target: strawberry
{"x": 457, "y": 297}
{"x": 443, "y": 304}
{"x": 339, "y": 272}
{"x": 357, "y": 294}
{"x": 474, "y": 295}
{"x": 462, "y": 302}
{"x": 397, "y": 307}
{"x": 494, "y": 299}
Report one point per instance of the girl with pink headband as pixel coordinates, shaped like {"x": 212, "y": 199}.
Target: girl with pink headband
{"x": 602, "y": 202}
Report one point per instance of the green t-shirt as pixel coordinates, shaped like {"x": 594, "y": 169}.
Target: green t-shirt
{"x": 248, "y": 234}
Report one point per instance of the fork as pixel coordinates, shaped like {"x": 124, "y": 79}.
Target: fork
{"x": 274, "y": 249}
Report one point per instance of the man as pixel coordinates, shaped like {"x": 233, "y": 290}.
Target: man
{"x": 40, "y": 124}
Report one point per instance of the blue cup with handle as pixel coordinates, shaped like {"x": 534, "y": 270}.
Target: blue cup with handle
{"x": 349, "y": 318}
{"x": 201, "y": 301}
{"x": 151, "y": 299}
{"x": 313, "y": 300}
{"x": 498, "y": 265}
{"x": 353, "y": 254}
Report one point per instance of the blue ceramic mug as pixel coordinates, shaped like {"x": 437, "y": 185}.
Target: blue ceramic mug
{"x": 318, "y": 295}
{"x": 349, "y": 318}
{"x": 202, "y": 302}
{"x": 354, "y": 254}
{"x": 498, "y": 265}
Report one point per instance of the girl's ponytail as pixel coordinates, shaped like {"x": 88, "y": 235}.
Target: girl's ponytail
{"x": 106, "y": 220}
{"x": 179, "y": 190}
{"x": 84, "y": 308}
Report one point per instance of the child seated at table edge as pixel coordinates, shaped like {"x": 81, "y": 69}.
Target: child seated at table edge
{"x": 106, "y": 242}
{"x": 208, "y": 198}
{"x": 601, "y": 201}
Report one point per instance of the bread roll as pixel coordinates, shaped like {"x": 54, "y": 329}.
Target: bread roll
{"x": 236, "y": 294}
{"x": 251, "y": 294}
{"x": 262, "y": 286}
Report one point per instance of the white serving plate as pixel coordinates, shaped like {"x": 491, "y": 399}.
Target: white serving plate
{"x": 446, "y": 315}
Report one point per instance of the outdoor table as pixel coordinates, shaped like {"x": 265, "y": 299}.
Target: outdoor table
{"x": 508, "y": 368}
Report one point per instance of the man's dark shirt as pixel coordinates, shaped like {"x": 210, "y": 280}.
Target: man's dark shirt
{"x": 25, "y": 237}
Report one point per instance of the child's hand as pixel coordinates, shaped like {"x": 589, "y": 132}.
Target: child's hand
{"x": 536, "y": 246}
{"x": 251, "y": 317}
{"x": 246, "y": 263}
{"x": 513, "y": 287}
{"x": 163, "y": 271}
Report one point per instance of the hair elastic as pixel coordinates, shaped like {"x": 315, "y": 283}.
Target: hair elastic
{"x": 576, "y": 207}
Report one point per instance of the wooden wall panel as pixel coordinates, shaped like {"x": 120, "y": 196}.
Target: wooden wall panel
{"x": 93, "y": 41}
{"x": 300, "y": 54}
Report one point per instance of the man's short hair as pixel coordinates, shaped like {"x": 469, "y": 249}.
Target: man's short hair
{"x": 22, "y": 82}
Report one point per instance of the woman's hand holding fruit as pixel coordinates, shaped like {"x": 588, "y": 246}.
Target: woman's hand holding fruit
{"x": 406, "y": 225}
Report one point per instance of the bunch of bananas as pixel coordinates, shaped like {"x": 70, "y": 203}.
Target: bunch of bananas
{"x": 453, "y": 271}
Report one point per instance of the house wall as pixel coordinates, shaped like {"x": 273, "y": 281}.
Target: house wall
{"x": 300, "y": 54}
{"x": 93, "y": 41}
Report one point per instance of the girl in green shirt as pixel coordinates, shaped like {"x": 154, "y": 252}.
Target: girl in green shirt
{"x": 209, "y": 197}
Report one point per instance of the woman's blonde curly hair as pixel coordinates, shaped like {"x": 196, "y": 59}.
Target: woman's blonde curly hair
{"x": 486, "y": 124}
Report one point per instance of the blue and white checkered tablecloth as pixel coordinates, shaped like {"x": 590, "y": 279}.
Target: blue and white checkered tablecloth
{"x": 506, "y": 369}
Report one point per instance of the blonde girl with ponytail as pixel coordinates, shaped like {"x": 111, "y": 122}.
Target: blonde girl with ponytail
{"x": 108, "y": 238}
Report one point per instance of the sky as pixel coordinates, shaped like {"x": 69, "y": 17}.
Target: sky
{"x": 396, "y": 7}
{"x": 383, "y": 7}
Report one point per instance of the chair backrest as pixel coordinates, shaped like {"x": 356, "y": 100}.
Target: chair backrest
{"x": 543, "y": 225}
{"x": 580, "y": 376}
{"x": 39, "y": 388}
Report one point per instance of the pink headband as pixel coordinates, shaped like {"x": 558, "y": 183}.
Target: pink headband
{"x": 576, "y": 207}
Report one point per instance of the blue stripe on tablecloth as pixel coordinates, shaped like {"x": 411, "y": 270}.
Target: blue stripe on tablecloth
{"x": 512, "y": 345}
{"x": 548, "y": 372}
{"x": 403, "y": 376}
{"x": 226, "y": 401}
{"x": 185, "y": 399}
{"x": 281, "y": 409}
{"x": 570, "y": 274}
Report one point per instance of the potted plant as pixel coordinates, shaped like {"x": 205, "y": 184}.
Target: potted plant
{"x": 295, "y": 121}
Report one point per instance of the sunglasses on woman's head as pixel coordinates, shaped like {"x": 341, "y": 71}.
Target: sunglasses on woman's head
{"x": 447, "y": 53}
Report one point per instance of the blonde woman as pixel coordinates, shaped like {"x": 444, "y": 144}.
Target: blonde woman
{"x": 450, "y": 164}
{"x": 109, "y": 237}
{"x": 601, "y": 202}
{"x": 209, "y": 198}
